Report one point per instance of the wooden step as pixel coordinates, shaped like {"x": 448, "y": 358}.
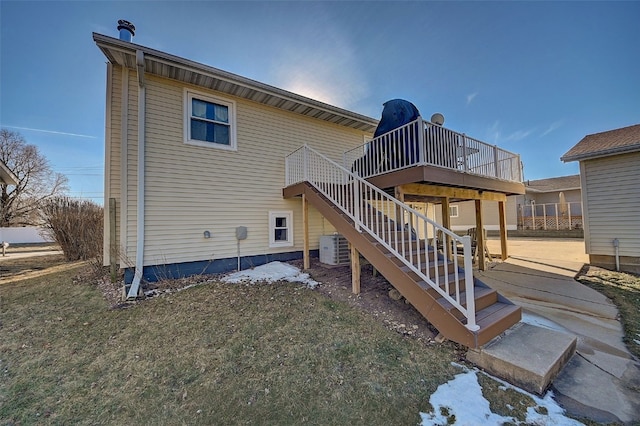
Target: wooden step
{"x": 483, "y": 296}
{"x": 495, "y": 319}
{"x": 442, "y": 269}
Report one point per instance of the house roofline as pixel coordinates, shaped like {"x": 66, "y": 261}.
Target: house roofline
{"x": 604, "y": 153}
{"x": 170, "y": 66}
{"x": 541, "y": 191}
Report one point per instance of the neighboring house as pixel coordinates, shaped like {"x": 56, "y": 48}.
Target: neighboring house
{"x": 551, "y": 204}
{"x": 463, "y": 215}
{"x": 609, "y": 175}
{"x": 6, "y": 176}
{"x": 547, "y": 204}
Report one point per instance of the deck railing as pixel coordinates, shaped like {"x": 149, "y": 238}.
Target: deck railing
{"x": 393, "y": 224}
{"x": 424, "y": 143}
{"x": 550, "y": 216}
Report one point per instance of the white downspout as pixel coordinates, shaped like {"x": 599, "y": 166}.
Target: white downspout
{"x": 135, "y": 285}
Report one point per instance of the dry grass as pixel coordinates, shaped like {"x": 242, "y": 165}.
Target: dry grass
{"x": 15, "y": 266}
{"x": 213, "y": 354}
{"x": 624, "y": 290}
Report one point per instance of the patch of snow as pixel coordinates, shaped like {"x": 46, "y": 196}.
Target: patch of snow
{"x": 540, "y": 321}
{"x": 271, "y": 272}
{"x": 462, "y": 397}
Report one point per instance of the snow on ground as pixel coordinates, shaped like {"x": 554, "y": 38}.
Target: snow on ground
{"x": 271, "y": 272}
{"x": 540, "y": 321}
{"x": 462, "y": 397}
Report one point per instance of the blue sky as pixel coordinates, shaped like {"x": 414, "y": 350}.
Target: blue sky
{"x": 531, "y": 77}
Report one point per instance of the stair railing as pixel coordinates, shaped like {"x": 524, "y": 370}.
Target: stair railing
{"x": 399, "y": 228}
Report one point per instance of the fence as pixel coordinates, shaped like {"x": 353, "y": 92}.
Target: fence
{"x": 550, "y": 216}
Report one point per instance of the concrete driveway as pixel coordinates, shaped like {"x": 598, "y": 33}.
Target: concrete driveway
{"x": 602, "y": 378}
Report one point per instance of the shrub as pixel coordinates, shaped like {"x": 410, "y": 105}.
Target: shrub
{"x": 76, "y": 225}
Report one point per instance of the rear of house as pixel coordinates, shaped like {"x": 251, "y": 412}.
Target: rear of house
{"x": 207, "y": 171}
{"x": 609, "y": 174}
{"x": 195, "y": 157}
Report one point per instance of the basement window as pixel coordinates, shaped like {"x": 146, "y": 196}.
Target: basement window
{"x": 281, "y": 229}
{"x": 209, "y": 121}
{"x": 453, "y": 211}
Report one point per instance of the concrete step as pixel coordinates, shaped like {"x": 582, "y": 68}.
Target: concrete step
{"x": 526, "y": 355}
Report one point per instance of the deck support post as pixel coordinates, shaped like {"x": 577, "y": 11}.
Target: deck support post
{"x": 306, "y": 264}
{"x": 355, "y": 270}
{"x": 446, "y": 222}
{"x": 480, "y": 243}
{"x": 502, "y": 211}
{"x": 399, "y": 194}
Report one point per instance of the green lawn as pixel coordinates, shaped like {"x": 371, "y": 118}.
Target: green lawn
{"x": 213, "y": 354}
{"x": 222, "y": 354}
{"x": 624, "y": 290}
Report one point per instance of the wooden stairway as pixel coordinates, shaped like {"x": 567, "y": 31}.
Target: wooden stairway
{"x": 494, "y": 313}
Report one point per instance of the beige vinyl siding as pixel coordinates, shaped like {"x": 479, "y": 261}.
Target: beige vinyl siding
{"x": 191, "y": 189}
{"x": 112, "y": 150}
{"x": 570, "y": 196}
{"x": 132, "y": 167}
{"x": 612, "y": 203}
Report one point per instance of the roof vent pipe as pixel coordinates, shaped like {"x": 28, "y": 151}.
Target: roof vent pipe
{"x": 127, "y": 30}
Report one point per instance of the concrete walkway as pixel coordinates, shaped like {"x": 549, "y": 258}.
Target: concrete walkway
{"x": 602, "y": 379}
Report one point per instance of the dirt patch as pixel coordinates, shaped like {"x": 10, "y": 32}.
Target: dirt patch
{"x": 374, "y": 299}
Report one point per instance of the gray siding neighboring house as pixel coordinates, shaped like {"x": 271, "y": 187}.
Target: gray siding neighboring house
{"x": 542, "y": 192}
{"x": 609, "y": 173}
{"x": 551, "y": 204}
{"x": 463, "y": 215}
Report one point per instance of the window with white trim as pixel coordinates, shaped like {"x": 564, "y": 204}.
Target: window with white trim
{"x": 453, "y": 211}
{"x": 281, "y": 229}
{"x": 209, "y": 121}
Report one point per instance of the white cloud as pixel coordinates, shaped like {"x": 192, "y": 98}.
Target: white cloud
{"x": 471, "y": 97}
{"x": 553, "y": 126}
{"x": 327, "y": 72}
{"x": 518, "y": 135}
{"x": 495, "y": 134}
{"x": 52, "y": 132}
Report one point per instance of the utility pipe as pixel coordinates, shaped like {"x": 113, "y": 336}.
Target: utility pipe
{"x": 616, "y": 246}
{"x": 135, "y": 285}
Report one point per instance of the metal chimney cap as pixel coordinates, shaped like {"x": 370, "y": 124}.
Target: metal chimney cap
{"x": 126, "y": 25}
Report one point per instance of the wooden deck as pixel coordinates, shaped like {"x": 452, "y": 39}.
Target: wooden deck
{"x": 469, "y": 186}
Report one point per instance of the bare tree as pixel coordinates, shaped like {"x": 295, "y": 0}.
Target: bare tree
{"x": 37, "y": 182}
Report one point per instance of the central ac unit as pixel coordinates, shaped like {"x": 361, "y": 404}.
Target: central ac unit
{"x": 334, "y": 250}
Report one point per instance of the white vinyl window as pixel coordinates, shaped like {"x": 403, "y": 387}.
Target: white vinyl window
{"x": 209, "y": 121}
{"x": 281, "y": 229}
{"x": 453, "y": 211}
